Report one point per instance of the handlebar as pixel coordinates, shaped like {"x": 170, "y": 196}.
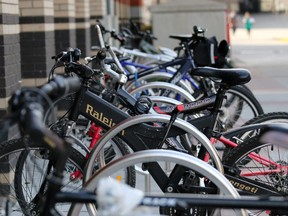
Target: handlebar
{"x": 61, "y": 86}
{"x": 68, "y": 56}
{"x": 27, "y": 106}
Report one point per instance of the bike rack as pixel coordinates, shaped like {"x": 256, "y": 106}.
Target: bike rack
{"x": 152, "y": 118}
{"x": 147, "y": 156}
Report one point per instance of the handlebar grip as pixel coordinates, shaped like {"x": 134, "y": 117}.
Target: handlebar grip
{"x": 69, "y": 55}
{"x": 32, "y": 121}
{"x": 99, "y": 58}
{"x": 60, "y": 86}
{"x": 73, "y": 84}
{"x": 82, "y": 70}
{"x": 117, "y": 37}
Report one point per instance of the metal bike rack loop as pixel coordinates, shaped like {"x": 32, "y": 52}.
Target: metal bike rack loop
{"x": 147, "y": 156}
{"x": 152, "y": 118}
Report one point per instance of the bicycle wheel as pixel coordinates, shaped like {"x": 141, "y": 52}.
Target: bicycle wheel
{"x": 158, "y": 88}
{"x": 86, "y": 134}
{"x": 159, "y": 77}
{"x": 24, "y": 169}
{"x": 198, "y": 177}
{"x": 238, "y": 107}
{"x": 262, "y": 164}
{"x": 273, "y": 117}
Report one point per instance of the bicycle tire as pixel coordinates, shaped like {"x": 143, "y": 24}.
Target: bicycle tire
{"x": 9, "y": 151}
{"x": 255, "y": 171}
{"x": 156, "y": 76}
{"x": 273, "y": 117}
{"x": 247, "y": 88}
{"x": 157, "y": 88}
{"x": 235, "y": 115}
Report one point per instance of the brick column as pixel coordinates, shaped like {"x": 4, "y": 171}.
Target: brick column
{"x": 97, "y": 11}
{"x": 10, "y": 74}
{"x": 37, "y": 40}
{"x": 9, "y": 52}
{"x": 127, "y": 9}
{"x": 65, "y": 34}
{"x": 83, "y": 27}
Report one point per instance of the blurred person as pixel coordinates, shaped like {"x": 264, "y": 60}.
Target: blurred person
{"x": 248, "y": 21}
{"x": 233, "y": 21}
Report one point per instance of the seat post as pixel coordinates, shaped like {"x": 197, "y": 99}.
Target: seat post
{"x": 220, "y": 95}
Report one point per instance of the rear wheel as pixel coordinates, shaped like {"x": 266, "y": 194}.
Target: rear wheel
{"x": 264, "y": 165}
{"x": 273, "y": 117}
{"x": 239, "y": 106}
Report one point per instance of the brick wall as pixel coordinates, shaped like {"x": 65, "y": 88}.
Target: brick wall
{"x": 36, "y": 39}
{"x": 65, "y": 28}
{"x": 31, "y": 31}
{"x": 10, "y": 74}
{"x": 83, "y": 38}
{"x": 97, "y": 11}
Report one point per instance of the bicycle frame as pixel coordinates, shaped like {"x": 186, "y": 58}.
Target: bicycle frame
{"x": 164, "y": 67}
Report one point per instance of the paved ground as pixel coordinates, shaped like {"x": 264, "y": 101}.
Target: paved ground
{"x": 265, "y": 54}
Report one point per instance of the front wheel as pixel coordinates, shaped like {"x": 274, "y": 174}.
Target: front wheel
{"x": 28, "y": 167}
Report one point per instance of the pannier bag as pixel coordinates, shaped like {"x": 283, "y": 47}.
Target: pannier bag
{"x": 207, "y": 52}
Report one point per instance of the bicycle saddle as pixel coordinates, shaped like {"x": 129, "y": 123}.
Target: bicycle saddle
{"x": 182, "y": 38}
{"x": 231, "y": 77}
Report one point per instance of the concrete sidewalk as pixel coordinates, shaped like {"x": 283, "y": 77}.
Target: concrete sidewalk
{"x": 268, "y": 29}
{"x": 260, "y": 36}
{"x": 265, "y": 54}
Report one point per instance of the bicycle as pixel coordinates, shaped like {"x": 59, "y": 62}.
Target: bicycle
{"x": 77, "y": 68}
{"x": 239, "y": 98}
